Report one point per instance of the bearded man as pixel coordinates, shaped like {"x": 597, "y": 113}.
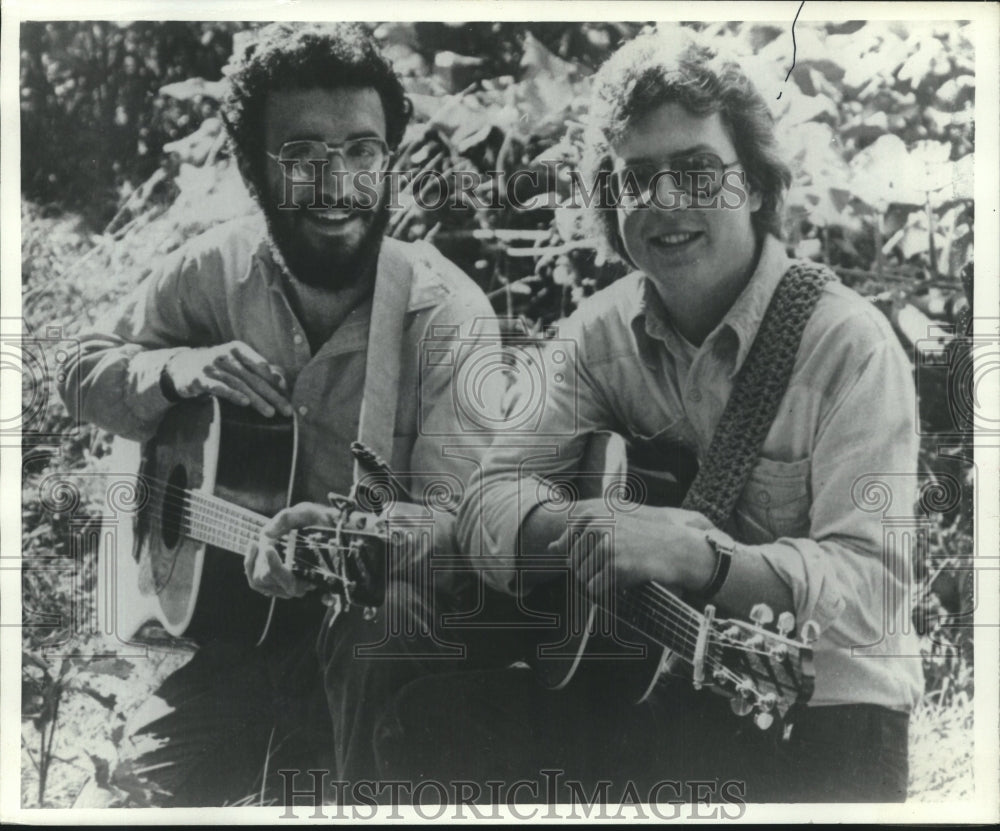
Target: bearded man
{"x": 274, "y": 312}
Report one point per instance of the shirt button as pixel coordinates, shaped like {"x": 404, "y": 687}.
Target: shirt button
{"x": 303, "y": 410}
{"x": 297, "y": 339}
{"x": 763, "y": 497}
{"x": 696, "y": 396}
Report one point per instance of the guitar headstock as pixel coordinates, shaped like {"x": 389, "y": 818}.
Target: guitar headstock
{"x": 347, "y": 558}
{"x": 760, "y": 667}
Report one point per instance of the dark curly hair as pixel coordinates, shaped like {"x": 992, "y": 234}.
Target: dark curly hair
{"x": 673, "y": 65}
{"x": 286, "y": 56}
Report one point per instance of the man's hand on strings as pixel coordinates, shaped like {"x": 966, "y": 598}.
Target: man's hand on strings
{"x": 265, "y": 570}
{"x": 231, "y": 371}
{"x": 663, "y": 544}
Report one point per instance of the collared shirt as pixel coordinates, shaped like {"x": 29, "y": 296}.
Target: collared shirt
{"x": 225, "y": 286}
{"x": 846, "y": 422}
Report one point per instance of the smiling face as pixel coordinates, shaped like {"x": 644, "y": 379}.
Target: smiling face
{"x": 322, "y": 246}
{"x": 687, "y": 251}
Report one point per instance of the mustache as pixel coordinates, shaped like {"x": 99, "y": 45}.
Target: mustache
{"x": 326, "y": 203}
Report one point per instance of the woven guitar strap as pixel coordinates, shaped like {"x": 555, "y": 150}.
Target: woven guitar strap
{"x": 757, "y": 392}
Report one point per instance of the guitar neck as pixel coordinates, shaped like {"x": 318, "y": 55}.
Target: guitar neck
{"x": 661, "y": 616}
{"x": 212, "y": 520}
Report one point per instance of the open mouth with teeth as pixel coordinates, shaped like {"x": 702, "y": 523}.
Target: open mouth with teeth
{"x": 329, "y": 218}
{"x": 676, "y": 240}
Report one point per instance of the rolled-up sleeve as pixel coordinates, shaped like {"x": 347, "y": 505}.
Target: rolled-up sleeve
{"x": 551, "y": 410}
{"x": 114, "y": 382}
{"x": 843, "y": 574}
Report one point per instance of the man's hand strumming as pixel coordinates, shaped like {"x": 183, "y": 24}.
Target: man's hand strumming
{"x": 233, "y": 372}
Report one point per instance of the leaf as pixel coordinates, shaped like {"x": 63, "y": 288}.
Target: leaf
{"x": 911, "y": 239}
{"x": 881, "y": 176}
{"x": 804, "y": 108}
{"x": 957, "y": 182}
{"x": 36, "y": 661}
{"x": 929, "y": 60}
{"x": 954, "y": 92}
{"x": 194, "y": 88}
{"x": 102, "y": 771}
{"x": 118, "y": 667}
{"x": 107, "y": 701}
{"x": 868, "y": 128}
{"x": 549, "y": 85}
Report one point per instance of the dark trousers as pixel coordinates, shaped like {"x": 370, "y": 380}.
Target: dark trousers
{"x": 500, "y": 725}
{"x": 409, "y": 708}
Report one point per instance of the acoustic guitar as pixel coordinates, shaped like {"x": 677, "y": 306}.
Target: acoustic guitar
{"x": 642, "y": 636}
{"x": 206, "y": 483}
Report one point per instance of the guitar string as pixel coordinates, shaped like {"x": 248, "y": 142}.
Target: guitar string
{"x": 205, "y": 531}
{"x": 711, "y": 661}
{"x": 656, "y": 593}
{"x": 247, "y": 521}
{"x": 205, "y": 535}
{"x": 242, "y": 531}
{"x": 713, "y": 664}
{"x": 245, "y": 525}
{"x": 678, "y": 623}
{"x": 220, "y": 506}
{"x": 247, "y": 530}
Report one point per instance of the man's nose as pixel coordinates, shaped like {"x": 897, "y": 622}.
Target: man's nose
{"x": 338, "y": 182}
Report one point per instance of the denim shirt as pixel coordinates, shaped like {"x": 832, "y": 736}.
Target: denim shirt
{"x": 847, "y": 417}
{"x": 224, "y": 286}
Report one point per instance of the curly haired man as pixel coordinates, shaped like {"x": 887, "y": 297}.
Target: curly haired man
{"x": 275, "y": 312}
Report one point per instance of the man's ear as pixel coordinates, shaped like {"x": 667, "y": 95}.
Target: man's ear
{"x": 755, "y": 196}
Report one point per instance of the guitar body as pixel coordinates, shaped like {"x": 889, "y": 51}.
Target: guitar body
{"x": 591, "y": 644}
{"x": 590, "y": 648}
{"x": 630, "y": 640}
{"x": 195, "y": 589}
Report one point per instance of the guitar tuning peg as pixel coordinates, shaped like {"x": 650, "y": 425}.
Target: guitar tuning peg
{"x": 740, "y": 706}
{"x": 763, "y": 720}
{"x": 761, "y": 614}
{"x": 786, "y": 623}
{"x": 810, "y": 632}
{"x": 732, "y": 633}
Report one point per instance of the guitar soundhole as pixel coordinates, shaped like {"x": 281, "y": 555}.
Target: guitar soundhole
{"x": 173, "y": 507}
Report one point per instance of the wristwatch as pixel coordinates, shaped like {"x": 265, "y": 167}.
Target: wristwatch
{"x": 724, "y": 548}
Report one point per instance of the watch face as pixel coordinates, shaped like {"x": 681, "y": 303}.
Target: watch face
{"x": 720, "y": 544}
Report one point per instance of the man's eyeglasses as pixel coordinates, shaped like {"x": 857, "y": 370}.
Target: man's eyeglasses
{"x": 304, "y": 159}
{"x": 699, "y": 176}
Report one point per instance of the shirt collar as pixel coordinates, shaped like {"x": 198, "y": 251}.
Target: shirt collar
{"x": 743, "y": 318}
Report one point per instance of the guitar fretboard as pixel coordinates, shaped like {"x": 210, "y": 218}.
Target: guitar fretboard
{"x": 661, "y": 616}
{"x": 205, "y": 518}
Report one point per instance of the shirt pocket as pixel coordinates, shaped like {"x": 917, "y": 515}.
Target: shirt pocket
{"x": 775, "y": 502}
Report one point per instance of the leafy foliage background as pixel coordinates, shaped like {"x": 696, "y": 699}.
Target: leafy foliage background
{"x": 124, "y": 158}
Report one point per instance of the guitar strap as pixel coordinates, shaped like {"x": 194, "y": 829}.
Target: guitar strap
{"x": 391, "y": 299}
{"x": 757, "y": 392}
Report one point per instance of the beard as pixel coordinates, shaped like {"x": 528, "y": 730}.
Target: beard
{"x": 338, "y": 264}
